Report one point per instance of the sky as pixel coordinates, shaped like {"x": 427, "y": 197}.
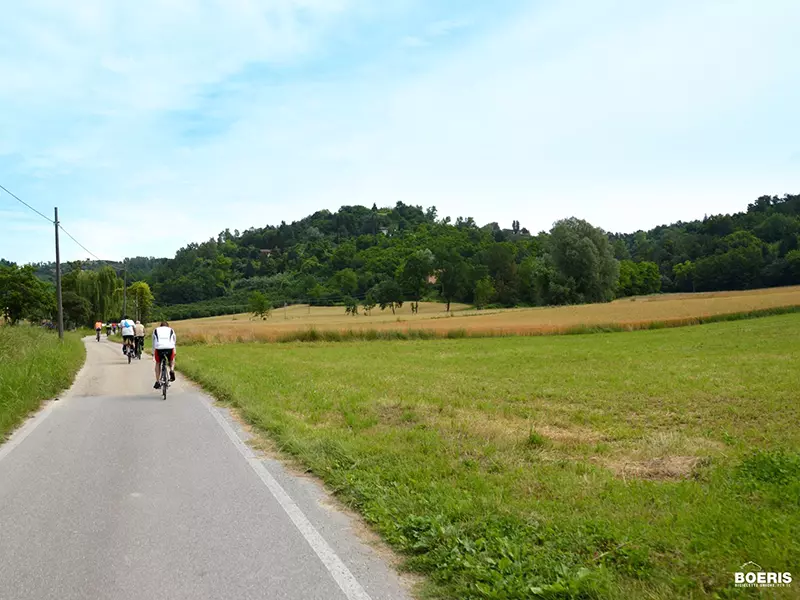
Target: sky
{"x": 158, "y": 123}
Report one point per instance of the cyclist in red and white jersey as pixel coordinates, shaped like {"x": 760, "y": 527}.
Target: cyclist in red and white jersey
{"x": 164, "y": 343}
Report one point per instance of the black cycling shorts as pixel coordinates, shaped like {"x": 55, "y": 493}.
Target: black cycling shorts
{"x": 127, "y": 338}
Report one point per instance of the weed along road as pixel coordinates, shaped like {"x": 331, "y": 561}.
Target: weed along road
{"x": 112, "y": 492}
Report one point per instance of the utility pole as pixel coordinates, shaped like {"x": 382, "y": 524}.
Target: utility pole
{"x": 58, "y": 283}
{"x": 125, "y": 291}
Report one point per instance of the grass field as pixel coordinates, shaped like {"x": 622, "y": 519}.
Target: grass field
{"x": 668, "y": 309}
{"x": 34, "y": 366}
{"x": 648, "y": 464}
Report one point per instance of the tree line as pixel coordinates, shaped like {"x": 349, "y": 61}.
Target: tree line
{"x": 88, "y": 295}
{"x": 364, "y": 258}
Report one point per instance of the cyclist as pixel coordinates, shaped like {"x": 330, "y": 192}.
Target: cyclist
{"x": 138, "y": 332}
{"x": 127, "y": 328}
{"x": 97, "y": 328}
{"x": 164, "y": 343}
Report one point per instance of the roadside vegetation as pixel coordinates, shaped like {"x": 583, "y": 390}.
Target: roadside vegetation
{"x": 34, "y": 366}
{"x": 649, "y": 464}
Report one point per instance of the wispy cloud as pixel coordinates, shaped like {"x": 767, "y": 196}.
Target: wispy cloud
{"x": 238, "y": 113}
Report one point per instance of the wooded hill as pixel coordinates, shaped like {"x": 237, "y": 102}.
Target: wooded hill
{"x": 407, "y": 253}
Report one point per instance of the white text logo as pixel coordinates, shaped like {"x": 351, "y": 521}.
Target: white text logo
{"x": 751, "y": 574}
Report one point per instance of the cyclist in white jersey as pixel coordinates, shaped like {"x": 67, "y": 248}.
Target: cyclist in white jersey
{"x": 164, "y": 343}
{"x": 127, "y": 326}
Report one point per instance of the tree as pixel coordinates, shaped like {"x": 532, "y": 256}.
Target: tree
{"x": 388, "y": 294}
{"x": 638, "y": 279}
{"x": 484, "y": 292}
{"x": 621, "y": 250}
{"x": 648, "y": 278}
{"x": 23, "y": 295}
{"x": 141, "y": 299}
{"x": 260, "y": 305}
{"x": 345, "y": 281}
{"x": 684, "y": 276}
{"x": 501, "y": 262}
{"x": 584, "y": 260}
{"x": 793, "y": 261}
{"x": 351, "y": 306}
{"x": 77, "y": 309}
{"x": 369, "y": 302}
{"x": 310, "y": 259}
{"x": 535, "y": 275}
{"x": 315, "y": 294}
{"x": 451, "y": 273}
{"x": 736, "y": 266}
{"x": 414, "y": 275}
{"x": 643, "y": 247}
{"x": 101, "y": 288}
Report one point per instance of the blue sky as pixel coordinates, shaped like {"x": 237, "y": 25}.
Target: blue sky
{"x": 184, "y": 117}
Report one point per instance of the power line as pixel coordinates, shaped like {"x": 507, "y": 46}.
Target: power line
{"x": 48, "y": 219}
{"x": 79, "y": 244}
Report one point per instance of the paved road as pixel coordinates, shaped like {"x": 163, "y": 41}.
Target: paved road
{"x": 113, "y": 493}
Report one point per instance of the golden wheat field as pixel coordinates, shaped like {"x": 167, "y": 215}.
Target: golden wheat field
{"x": 628, "y": 312}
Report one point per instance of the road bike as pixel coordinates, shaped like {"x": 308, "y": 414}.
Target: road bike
{"x": 139, "y": 344}
{"x": 164, "y": 376}
{"x": 129, "y": 350}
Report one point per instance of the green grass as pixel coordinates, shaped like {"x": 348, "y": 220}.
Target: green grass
{"x": 649, "y": 464}
{"x": 34, "y": 366}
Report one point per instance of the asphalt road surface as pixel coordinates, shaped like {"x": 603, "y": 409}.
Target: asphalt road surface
{"x": 111, "y": 492}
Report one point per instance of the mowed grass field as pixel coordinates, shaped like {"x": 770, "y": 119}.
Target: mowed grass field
{"x": 648, "y": 464}
{"x": 34, "y": 367}
{"x": 669, "y": 309}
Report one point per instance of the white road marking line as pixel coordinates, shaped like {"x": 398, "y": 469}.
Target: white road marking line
{"x": 338, "y": 570}
{"x": 20, "y": 434}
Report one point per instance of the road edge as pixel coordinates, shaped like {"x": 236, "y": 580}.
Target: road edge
{"x": 252, "y": 443}
{"x": 36, "y": 417}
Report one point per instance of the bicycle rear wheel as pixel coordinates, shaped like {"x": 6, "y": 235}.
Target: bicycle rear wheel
{"x": 164, "y": 378}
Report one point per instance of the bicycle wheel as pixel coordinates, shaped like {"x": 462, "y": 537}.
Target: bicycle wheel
{"x": 164, "y": 378}
{"x": 129, "y": 354}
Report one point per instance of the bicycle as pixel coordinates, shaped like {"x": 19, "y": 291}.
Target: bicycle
{"x": 139, "y": 347}
{"x": 128, "y": 350}
{"x": 98, "y": 335}
{"x": 164, "y": 376}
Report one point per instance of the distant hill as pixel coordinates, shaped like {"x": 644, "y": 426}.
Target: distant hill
{"x": 336, "y": 257}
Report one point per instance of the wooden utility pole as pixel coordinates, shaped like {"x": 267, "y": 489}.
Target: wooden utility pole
{"x": 58, "y": 283}
{"x": 125, "y": 292}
